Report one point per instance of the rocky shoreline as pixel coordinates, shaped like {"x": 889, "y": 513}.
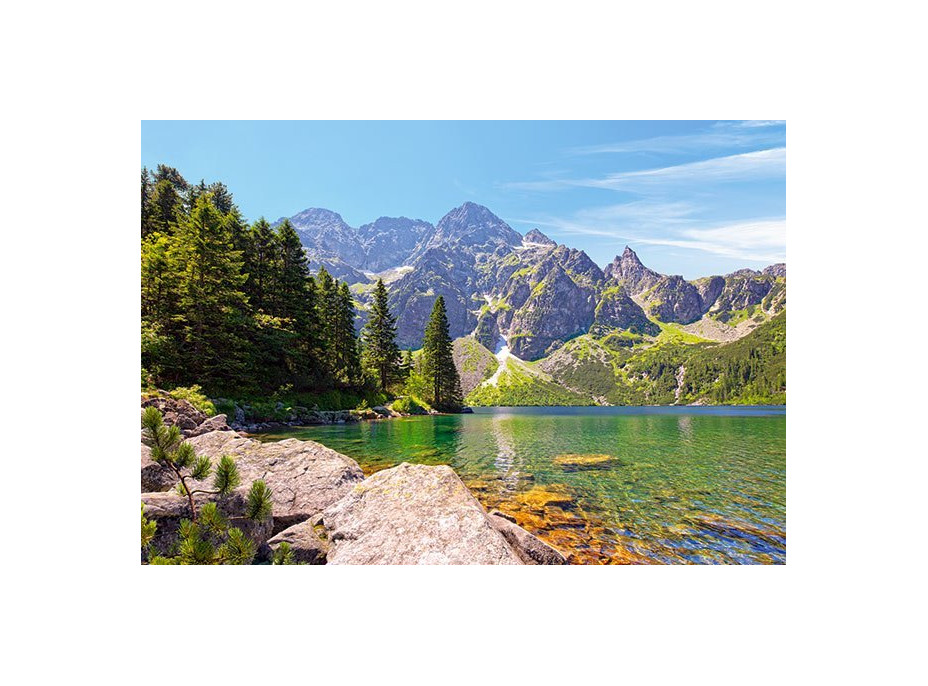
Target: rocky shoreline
{"x": 329, "y": 513}
{"x": 193, "y": 422}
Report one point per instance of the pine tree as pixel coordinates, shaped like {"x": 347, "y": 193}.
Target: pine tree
{"x": 159, "y": 280}
{"x": 407, "y": 365}
{"x": 326, "y": 311}
{"x": 261, "y": 258}
{"x": 295, "y": 300}
{"x": 438, "y": 360}
{"x": 147, "y": 185}
{"x": 206, "y": 537}
{"x": 165, "y": 173}
{"x": 222, "y": 198}
{"x": 164, "y": 209}
{"x": 381, "y": 353}
{"x": 292, "y": 291}
{"x": 213, "y": 310}
{"x": 347, "y": 348}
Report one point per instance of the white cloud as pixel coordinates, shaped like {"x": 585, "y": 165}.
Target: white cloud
{"x": 758, "y": 241}
{"x": 722, "y": 136}
{"x": 674, "y": 225}
{"x": 742, "y": 167}
{"x": 748, "y": 166}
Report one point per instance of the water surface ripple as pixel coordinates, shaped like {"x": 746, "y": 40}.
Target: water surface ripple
{"x": 679, "y": 485}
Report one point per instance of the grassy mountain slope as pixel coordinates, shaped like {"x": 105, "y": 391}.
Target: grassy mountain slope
{"x": 520, "y": 383}
{"x": 676, "y": 367}
{"x": 474, "y": 363}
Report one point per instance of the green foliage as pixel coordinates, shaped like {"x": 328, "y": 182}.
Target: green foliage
{"x": 238, "y": 549}
{"x": 381, "y": 353}
{"x": 148, "y": 531}
{"x": 410, "y": 405}
{"x": 227, "y": 477}
{"x": 438, "y": 361}
{"x": 259, "y": 503}
{"x": 234, "y": 308}
{"x": 205, "y": 538}
{"x": 516, "y": 386}
{"x": 211, "y": 542}
{"x": 751, "y": 370}
{"x": 283, "y": 555}
{"x": 195, "y": 396}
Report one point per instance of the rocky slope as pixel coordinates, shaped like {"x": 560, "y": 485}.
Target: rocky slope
{"x": 529, "y": 290}
{"x": 330, "y": 514}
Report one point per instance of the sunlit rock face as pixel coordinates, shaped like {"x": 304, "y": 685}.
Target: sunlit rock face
{"x": 529, "y": 289}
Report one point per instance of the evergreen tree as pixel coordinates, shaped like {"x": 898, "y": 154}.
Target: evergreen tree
{"x": 261, "y": 260}
{"x": 295, "y": 299}
{"x": 147, "y": 186}
{"x": 206, "y": 537}
{"x": 164, "y": 209}
{"x": 159, "y": 280}
{"x": 381, "y": 353}
{"x": 345, "y": 340}
{"x": 212, "y": 307}
{"x": 327, "y": 309}
{"x": 292, "y": 284}
{"x": 165, "y": 173}
{"x": 222, "y": 198}
{"x": 438, "y": 360}
{"x": 407, "y": 365}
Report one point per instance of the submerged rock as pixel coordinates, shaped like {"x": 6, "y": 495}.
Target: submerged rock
{"x": 576, "y": 462}
{"x": 414, "y": 514}
{"x": 531, "y": 549}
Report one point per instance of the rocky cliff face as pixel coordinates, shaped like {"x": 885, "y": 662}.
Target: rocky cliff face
{"x": 347, "y": 252}
{"x": 530, "y": 290}
{"x": 390, "y": 241}
{"x": 626, "y": 270}
{"x": 557, "y": 309}
{"x": 538, "y": 238}
{"x": 616, "y": 310}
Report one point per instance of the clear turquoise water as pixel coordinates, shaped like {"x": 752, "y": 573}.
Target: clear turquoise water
{"x": 668, "y": 485}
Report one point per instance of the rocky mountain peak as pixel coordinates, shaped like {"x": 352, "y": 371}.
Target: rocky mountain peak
{"x": 317, "y": 218}
{"x": 536, "y": 236}
{"x": 630, "y": 256}
{"x": 474, "y": 224}
{"x": 627, "y": 268}
{"x": 776, "y": 270}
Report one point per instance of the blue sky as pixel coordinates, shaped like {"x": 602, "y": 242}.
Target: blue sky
{"x": 691, "y": 198}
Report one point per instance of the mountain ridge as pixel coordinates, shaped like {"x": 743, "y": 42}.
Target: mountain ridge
{"x": 528, "y": 290}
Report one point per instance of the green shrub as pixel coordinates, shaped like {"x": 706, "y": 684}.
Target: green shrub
{"x": 194, "y": 395}
{"x": 409, "y": 405}
{"x": 226, "y": 407}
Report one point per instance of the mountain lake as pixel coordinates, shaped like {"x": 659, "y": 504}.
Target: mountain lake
{"x": 604, "y": 485}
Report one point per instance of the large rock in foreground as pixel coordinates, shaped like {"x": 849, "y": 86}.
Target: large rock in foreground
{"x": 413, "y": 514}
{"x": 304, "y": 477}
